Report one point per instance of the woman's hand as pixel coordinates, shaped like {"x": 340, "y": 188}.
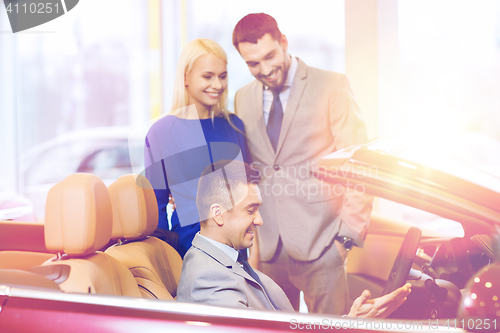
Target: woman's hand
{"x": 171, "y": 200}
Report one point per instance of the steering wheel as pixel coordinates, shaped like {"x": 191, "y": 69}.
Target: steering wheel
{"x": 404, "y": 261}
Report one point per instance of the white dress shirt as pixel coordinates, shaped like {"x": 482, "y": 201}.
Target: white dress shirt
{"x": 232, "y": 253}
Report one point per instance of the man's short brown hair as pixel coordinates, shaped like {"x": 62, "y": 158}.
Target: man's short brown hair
{"x": 219, "y": 183}
{"x": 253, "y": 27}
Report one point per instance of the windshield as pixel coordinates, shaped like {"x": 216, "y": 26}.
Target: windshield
{"x": 453, "y": 156}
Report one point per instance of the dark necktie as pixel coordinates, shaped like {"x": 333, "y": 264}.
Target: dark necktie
{"x": 246, "y": 266}
{"x": 275, "y": 120}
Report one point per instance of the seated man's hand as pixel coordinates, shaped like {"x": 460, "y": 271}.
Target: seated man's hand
{"x": 381, "y": 307}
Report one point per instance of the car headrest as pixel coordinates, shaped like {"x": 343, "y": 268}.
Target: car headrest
{"x": 135, "y": 209}
{"x": 78, "y": 217}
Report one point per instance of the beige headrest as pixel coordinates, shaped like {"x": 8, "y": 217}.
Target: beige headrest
{"x": 78, "y": 216}
{"x": 135, "y": 210}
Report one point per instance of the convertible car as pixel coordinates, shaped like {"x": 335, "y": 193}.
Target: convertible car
{"x": 452, "y": 215}
{"x": 93, "y": 266}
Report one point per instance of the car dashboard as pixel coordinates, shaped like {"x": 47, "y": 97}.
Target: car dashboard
{"x": 440, "y": 272}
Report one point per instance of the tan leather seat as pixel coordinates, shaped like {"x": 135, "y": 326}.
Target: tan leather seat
{"x": 78, "y": 222}
{"x": 154, "y": 263}
{"x": 22, "y": 260}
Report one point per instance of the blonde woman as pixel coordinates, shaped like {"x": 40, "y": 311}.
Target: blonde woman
{"x": 198, "y": 131}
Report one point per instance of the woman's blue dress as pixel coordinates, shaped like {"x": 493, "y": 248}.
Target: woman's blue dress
{"x": 177, "y": 151}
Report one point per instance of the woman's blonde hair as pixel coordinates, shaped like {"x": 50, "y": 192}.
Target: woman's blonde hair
{"x": 194, "y": 50}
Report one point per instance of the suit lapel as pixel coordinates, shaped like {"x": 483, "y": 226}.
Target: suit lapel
{"x": 219, "y": 256}
{"x": 298, "y": 85}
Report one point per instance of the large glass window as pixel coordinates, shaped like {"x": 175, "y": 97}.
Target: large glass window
{"x": 106, "y": 68}
{"x": 449, "y": 66}
{"x": 315, "y": 31}
{"x": 79, "y": 82}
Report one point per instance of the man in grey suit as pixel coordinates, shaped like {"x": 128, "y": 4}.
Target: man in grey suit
{"x": 228, "y": 202}
{"x": 213, "y": 273}
{"x": 294, "y": 115}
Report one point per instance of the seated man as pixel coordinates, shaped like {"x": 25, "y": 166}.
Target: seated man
{"x": 213, "y": 272}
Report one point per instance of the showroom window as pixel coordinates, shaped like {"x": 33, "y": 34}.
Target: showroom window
{"x": 449, "y": 54}
{"x": 89, "y": 69}
{"x": 315, "y": 33}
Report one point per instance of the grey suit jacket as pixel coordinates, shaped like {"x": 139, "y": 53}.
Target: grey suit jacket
{"x": 321, "y": 117}
{"x": 210, "y": 276}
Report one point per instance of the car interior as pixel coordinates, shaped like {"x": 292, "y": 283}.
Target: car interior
{"x": 437, "y": 266}
{"x": 97, "y": 240}
{"x": 79, "y": 225}
{"x": 155, "y": 264}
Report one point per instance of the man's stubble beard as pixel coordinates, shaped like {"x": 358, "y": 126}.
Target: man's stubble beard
{"x": 284, "y": 68}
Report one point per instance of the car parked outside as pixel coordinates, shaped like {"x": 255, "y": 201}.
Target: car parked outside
{"x": 103, "y": 151}
{"x": 14, "y": 206}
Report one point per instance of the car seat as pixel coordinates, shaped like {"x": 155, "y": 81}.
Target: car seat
{"x": 78, "y": 222}
{"x": 155, "y": 264}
